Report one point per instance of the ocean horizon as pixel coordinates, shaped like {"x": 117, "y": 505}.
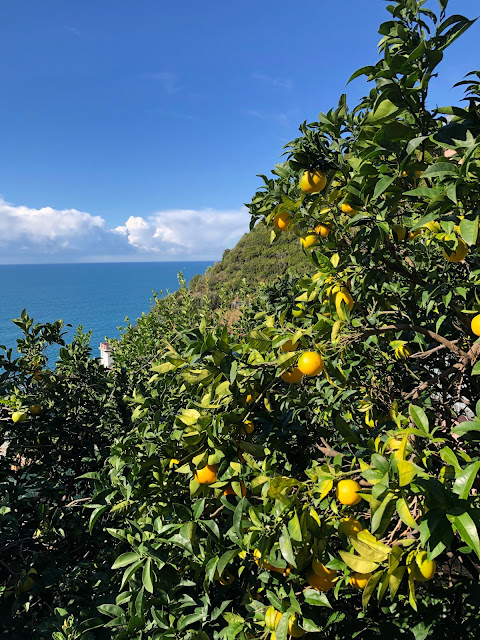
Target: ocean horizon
{"x": 98, "y": 296}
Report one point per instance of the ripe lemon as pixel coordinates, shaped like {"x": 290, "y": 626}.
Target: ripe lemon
{"x": 322, "y": 571}
{"x": 459, "y": 254}
{"x": 346, "y": 208}
{"x": 422, "y": 569}
{"x": 257, "y": 554}
{"x": 292, "y": 376}
{"x": 475, "y": 325}
{"x": 359, "y": 580}
{"x": 321, "y": 230}
{"x": 19, "y": 416}
{"x": 346, "y": 492}
{"x": 282, "y": 220}
{"x": 309, "y": 240}
{"x": 310, "y": 363}
{"x": 248, "y": 427}
{"x": 349, "y": 527}
{"x": 399, "y": 233}
{"x": 173, "y": 462}
{"x": 346, "y": 297}
{"x": 35, "y": 409}
{"x": 207, "y": 475}
{"x": 313, "y": 181}
{"x": 319, "y": 583}
{"x": 289, "y": 346}
{"x": 249, "y": 398}
{"x": 230, "y": 492}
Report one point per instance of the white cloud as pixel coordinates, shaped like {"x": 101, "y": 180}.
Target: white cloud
{"x": 51, "y": 235}
{"x": 283, "y": 83}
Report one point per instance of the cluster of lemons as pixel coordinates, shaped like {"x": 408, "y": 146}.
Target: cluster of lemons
{"x": 21, "y": 416}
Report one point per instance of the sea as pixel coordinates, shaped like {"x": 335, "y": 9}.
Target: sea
{"x": 100, "y": 297}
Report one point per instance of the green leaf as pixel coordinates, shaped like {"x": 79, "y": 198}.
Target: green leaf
{"x": 465, "y": 480}
{"x": 286, "y": 546}
{"x": 316, "y": 598}
{"x": 476, "y": 369}
{"x": 377, "y": 516}
{"x": 357, "y": 564}
{"x": 382, "y": 185}
{"x": 467, "y": 530}
{"x": 384, "y": 110}
{"x": 406, "y": 472}
{"x": 419, "y": 417}
{"x": 469, "y": 230}
{"x": 295, "y": 529}
{"x": 147, "y": 576}
{"x": 404, "y": 513}
{"x": 126, "y": 558}
{"x": 464, "y": 427}
{"x": 370, "y": 588}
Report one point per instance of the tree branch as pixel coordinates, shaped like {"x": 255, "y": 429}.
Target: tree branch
{"x": 431, "y": 334}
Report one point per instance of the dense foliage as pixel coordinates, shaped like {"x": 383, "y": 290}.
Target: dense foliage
{"x": 312, "y": 469}
{"x": 254, "y": 260}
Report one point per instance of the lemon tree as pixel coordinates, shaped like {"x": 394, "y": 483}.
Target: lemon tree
{"x": 315, "y": 470}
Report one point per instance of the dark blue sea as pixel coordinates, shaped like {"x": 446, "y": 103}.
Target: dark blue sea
{"x": 98, "y": 296}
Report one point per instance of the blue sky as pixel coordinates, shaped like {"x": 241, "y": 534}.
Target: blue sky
{"x": 153, "y": 118}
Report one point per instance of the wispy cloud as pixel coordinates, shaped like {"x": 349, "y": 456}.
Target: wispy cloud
{"x": 277, "y": 118}
{"x": 283, "y": 83}
{"x": 74, "y": 30}
{"x": 168, "y": 80}
{"x": 51, "y": 235}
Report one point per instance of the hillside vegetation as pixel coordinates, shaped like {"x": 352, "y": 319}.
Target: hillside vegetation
{"x": 253, "y": 260}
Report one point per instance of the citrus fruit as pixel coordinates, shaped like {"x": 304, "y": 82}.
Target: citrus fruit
{"x": 309, "y": 240}
{"x": 475, "y": 325}
{"x": 359, "y": 580}
{"x": 313, "y": 181}
{"x": 319, "y": 583}
{"x": 459, "y": 254}
{"x": 399, "y": 233}
{"x": 346, "y": 208}
{"x": 349, "y": 527}
{"x": 249, "y": 398}
{"x": 19, "y": 416}
{"x": 173, "y": 462}
{"x": 290, "y": 346}
{"x": 282, "y": 220}
{"x": 207, "y": 475}
{"x": 230, "y": 492}
{"x": 310, "y": 363}
{"x": 322, "y": 230}
{"x": 346, "y": 492}
{"x": 422, "y": 569}
{"x": 292, "y": 376}
{"x": 322, "y": 571}
{"x": 35, "y": 409}
{"x": 257, "y": 554}
{"x": 248, "y": 427}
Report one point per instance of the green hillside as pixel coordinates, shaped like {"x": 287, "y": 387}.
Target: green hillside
{"x": 253, "y": 260}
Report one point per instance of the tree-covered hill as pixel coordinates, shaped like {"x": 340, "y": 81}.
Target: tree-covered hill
{"x": 253, "y": 260}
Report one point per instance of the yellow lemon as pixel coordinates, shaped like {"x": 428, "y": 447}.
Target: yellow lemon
{"x": 309, "y": 241}
{"x": 475, "y": 325}
{"x": 313, "y": 181}
{"x": 350, "y": 527}
{"x": 207, "y": 475}
{"x": 292, "y": 376}
{"x": 346, "y": 208}
{"x": 422, "y": 569}
{"x": 346, "y": 492}
{"x": 359, "y": 580}
{"x": 459, "y": 254}
{"x": 310, "y": 363}
{"x": 289, "y": 346}
{"x": 282, "y": 220}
